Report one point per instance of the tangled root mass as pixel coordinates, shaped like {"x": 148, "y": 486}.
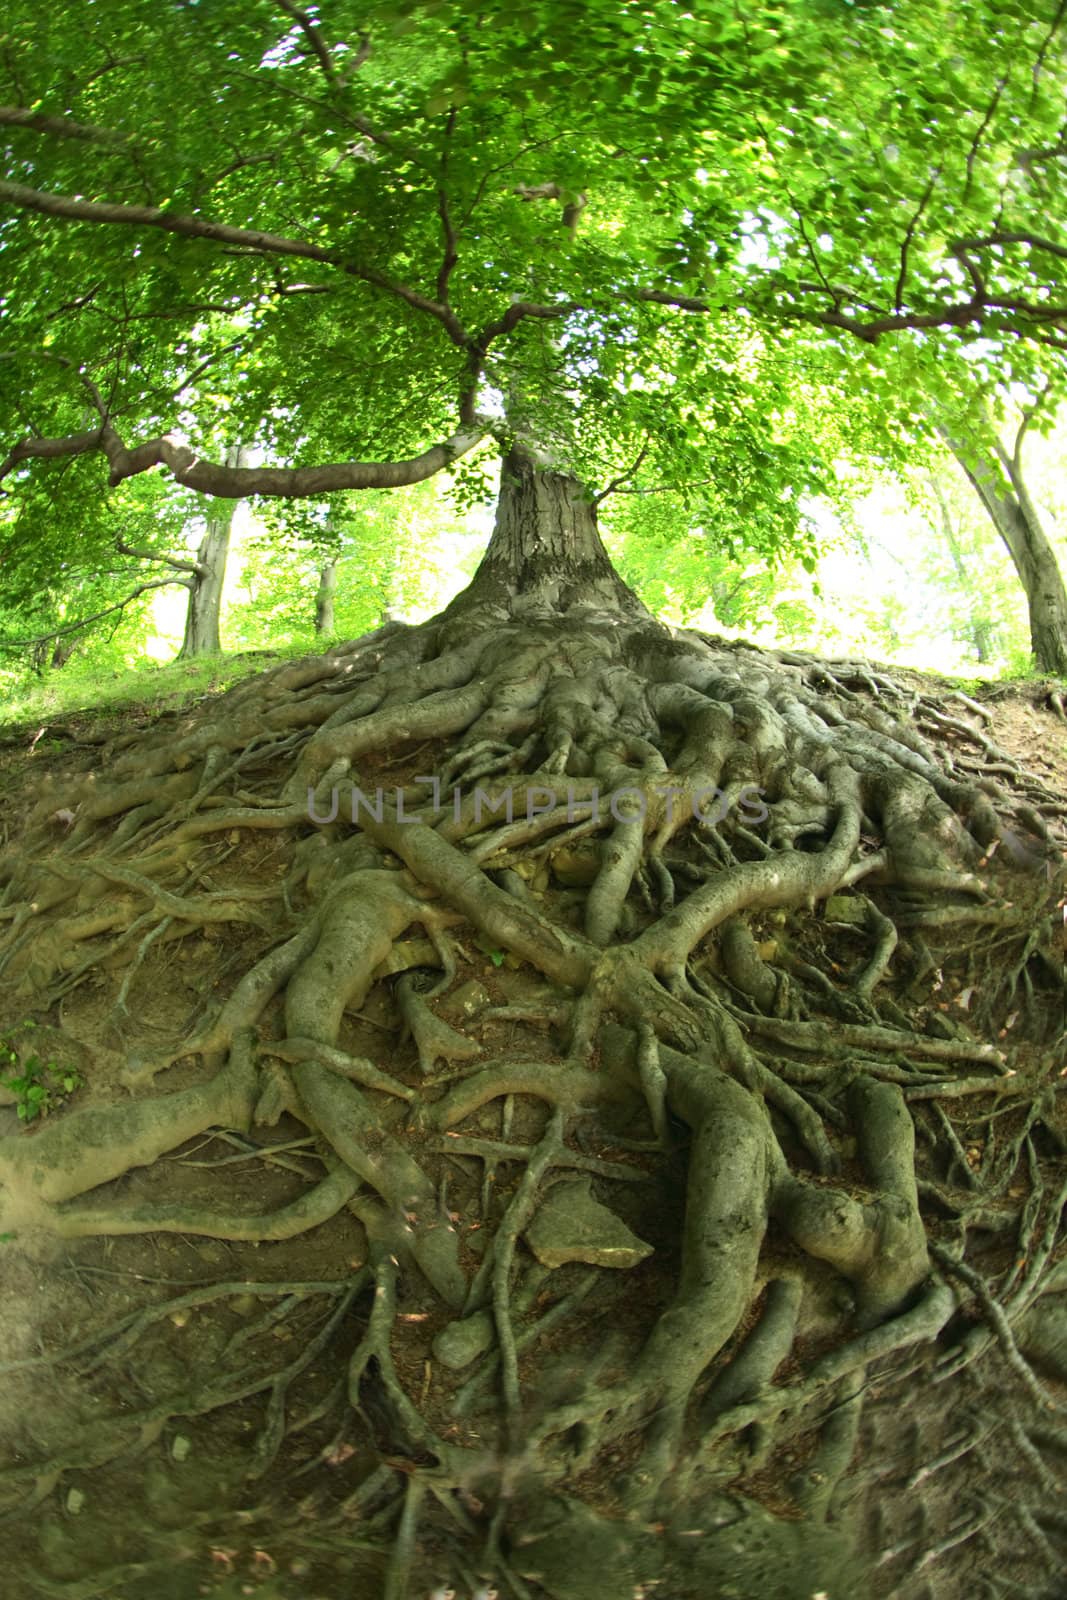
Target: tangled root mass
{"x": 770, "y": 941}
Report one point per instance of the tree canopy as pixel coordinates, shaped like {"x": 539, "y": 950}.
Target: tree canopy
{"x": 368, "y": 237}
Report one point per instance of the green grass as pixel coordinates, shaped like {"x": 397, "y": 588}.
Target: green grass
{"x": 98, "y": 688}
{"x": 88, "y": 689}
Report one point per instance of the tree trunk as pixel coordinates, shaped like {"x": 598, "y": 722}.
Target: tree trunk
{"x": 546, "y": 553}
{"x": 325, "y": 621}
{"x": 1014, "y": 515}
{"x": 62, "y": 652}
{"x": 209, "y": 575}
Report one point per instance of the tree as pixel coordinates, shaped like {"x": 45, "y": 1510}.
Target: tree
{"x": 997, "y": 476}
{"x": 394, "y": 551}
{"x": 80, "y": 564}
{"x": 986, "y": 608}
{"x": 207, "y": 575}
{"x": 325, "y": 615}
{"x": 745, "y": 924}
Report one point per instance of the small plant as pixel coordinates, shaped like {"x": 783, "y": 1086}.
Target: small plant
{"x": 39, "y": 1086}
{"x": 497, "y": 957}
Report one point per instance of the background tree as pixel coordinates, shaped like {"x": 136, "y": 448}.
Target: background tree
{"x": 78, "y": 562}
{"x": 207, "y": 575}
{"x": 997, "y": 474}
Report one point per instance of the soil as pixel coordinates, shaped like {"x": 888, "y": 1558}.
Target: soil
{"x": 181, "y": 1511}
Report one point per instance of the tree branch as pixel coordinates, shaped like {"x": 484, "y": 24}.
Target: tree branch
{"x": 617, "y": 483}
{"x": 75, "y": 627}
{"x": 1030, "y": 239}
{"x": 193, "y": 567}
{"x": 451, "y": 255}
{"x": 258, "y": 243}
{"x": 909, "y": 234}
{"x": 235, "y": 483}
{"x": 1037, "y": 155}
{"x": 314, "y": 39}
{"x": 59, "y": 127}
{"x": 516, "y": 312}
{"x": 1028, "y": 415}
{"x": 1039, "y": 59}
{"x": 73, "y": 444}
{"x": 981, "y": 133}
{"x": 572, "y": 209}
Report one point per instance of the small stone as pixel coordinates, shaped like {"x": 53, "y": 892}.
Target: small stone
{"x": 576, "y": 865}
{"x": 845, "y": 908}
{"x": 234, "y": 836}
{"x": 243, "y": 1304}
{"x": 180, "y": 1447}
{"x": 466, "y": 1001}
{"x": 461, "y": 1342}
{"x": 74, "y": 1502}
{"x": 572, "y": 1226}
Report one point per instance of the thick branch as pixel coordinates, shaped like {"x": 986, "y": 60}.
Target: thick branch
{"x": 959, "y": 314}
{"x": 235, "y": 483}
{"x": 59, "y": 127}
{"x": 261, "y": 243}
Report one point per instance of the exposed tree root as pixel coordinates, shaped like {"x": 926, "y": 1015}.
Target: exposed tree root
{"x": 648, "y": 868}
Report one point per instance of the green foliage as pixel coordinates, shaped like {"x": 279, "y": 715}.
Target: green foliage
{"x": 808, "y": 172}
{"x": 59, "y": 539}
{"x": 982, "y": 602}
{"x": 40, "y": 1087}
{"x": 498, "y": 957}
{"x": 396, "y": 552}
{"x": 708, "y": 254}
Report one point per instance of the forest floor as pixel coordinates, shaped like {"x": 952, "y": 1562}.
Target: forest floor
{"x": 182, "y": 1509}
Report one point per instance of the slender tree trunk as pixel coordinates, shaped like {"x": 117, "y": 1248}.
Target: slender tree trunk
{"x": 1015, "y": 517}
{"x": 62, "y": 652}
{"x": 325, "y": 620}
{"x": 392, "y": 600}
{"x": 546, "y": 552}
{"x": 52, "y": 654}
{"x": 209, "y": 575}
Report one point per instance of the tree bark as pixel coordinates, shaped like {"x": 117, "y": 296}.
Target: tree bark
{"x": 325, "y": 620}
{"x": 1014, "y": 515}
{"x": 202, "y": 636}
{"x": 546, "y": 553}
